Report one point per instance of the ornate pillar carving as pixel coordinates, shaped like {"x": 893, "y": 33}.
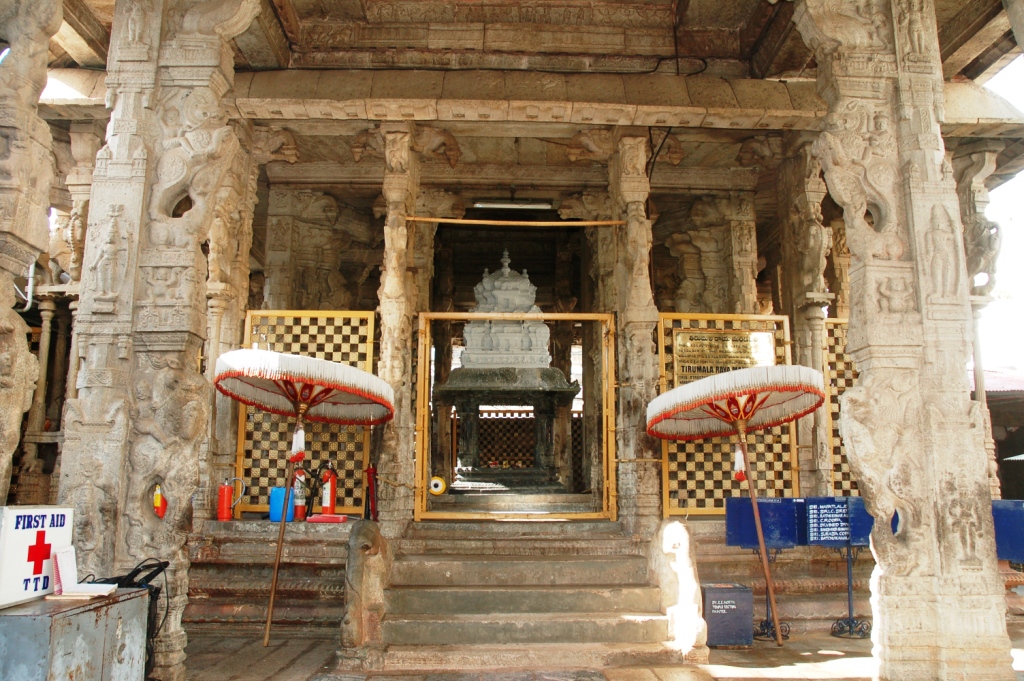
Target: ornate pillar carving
{"x": 30, "y": 461}
{"x": 638, "y": 473}
{"x": 18, "y": 372}
{"x": 142, "y": 413}
{"x": 914, "y": 437}
{"x": 397, "y": 296}
{"x": 435, "y": 202}
{"x": 599, "y": 265}
{"x": 26, "y": 175}
{"x": 838, "y": 270}
{"x": 26, "y": 163}
{"x": 742, "y": 252}
{"x": 972, "y": 165}
{"x": 805, "y": 244}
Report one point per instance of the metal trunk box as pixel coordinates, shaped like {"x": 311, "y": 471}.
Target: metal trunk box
{"x": 729, "y": 613}
{"x": 101, "y": 639}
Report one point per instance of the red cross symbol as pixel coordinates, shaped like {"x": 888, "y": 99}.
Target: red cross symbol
{"x": 39, "y": 552}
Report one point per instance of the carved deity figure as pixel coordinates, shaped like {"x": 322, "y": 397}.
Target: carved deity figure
{"x": 397, "y": 152}
{"x": 108, "y": 263}
{"x": 941, "y": 247}
{"x": 136, "y": 31}
{"x": 895, "y": 295}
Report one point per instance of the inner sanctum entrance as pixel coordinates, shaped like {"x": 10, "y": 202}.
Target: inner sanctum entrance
{"x": 514, "y": 412}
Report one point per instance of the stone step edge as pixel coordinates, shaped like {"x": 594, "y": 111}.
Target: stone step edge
{"x": 534, "y": 656}
{"x": 524, "y": 617}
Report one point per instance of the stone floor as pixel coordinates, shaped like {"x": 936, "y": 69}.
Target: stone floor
{"x": 216, "y": 657}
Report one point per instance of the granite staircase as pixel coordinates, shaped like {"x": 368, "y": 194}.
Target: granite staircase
{"x": 522, "y": 595}
{"x": 232, "y": 565}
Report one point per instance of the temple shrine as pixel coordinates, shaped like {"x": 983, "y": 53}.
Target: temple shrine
{"x": 529, "y": 219}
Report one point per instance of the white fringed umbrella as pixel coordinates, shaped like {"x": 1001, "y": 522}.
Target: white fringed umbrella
{"x": 735, "y": 402}
{"x": 310, "y": 389}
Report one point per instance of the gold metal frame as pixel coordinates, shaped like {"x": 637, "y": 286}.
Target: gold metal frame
{"x": 666, "y": 509}
{"x": 609, "y": 509}
{"x": 242, "y": 409}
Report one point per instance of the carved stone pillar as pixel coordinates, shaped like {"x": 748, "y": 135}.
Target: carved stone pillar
{"x": 434, "y": 202}
{"x": 638, "y": 453}
{"x": 18, "y": 372}
{"x": 914, "y": 437}
{"x": 805, "y": 244}
{"x": 142, "y": 413}
{"x": 71, "y": 387}
{"x": 397, "y": 296}
{"x": 972, "y": 165}
{"x": 742, "y": 252}
{"x": 561, "y": 356}
{"x": 277, "y": 287}
{"x": 599, "y": 265}
{"x": 444, "y": 290}
{"x": 838, "y": 271}
{"x": 26, "y": 175}
{"x": 26, "y": 169}
{"x": 59, "y": 371}
{"x": 37, "y": 412}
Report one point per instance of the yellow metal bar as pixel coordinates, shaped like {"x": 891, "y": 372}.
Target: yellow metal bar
{"x": 518, "y": 223}
{"x": 537, "y": 517}
{"x": 516, "y": 316}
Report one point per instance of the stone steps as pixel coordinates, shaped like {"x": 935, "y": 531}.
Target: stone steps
{"x": 522, "y": 595}
{"x": 524, "y": 628}
{"x": 497, "y": 503}
{"x": 544, "y": 656}
{"x": 472, "y": 570}
{"x": 469, "y": 600}
{"x": 232, "y": 567}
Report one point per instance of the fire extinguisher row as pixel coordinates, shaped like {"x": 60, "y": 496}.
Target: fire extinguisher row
{"x": 307, "y": 487}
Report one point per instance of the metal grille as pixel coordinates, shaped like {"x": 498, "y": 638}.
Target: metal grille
{"x": 265, "y": 439}
{"x": 841, "y": 375}
{"x": 506, "y": 437}
{"x": 697, "y": 475}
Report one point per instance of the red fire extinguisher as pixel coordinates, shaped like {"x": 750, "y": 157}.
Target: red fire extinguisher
{"x": 300, "y": 494}
{"x": 225, "y": 498}
{"x": 330, "y": 490}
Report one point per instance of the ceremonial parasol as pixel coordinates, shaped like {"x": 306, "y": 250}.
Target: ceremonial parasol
{"x": 310, "y": 389}
{"x": 735, "y": 402}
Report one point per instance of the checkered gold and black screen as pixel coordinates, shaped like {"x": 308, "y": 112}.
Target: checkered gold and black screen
{"x": 265, "y": 439}
{"x": 697, "y": 475}
{"x": 840, "y": 375}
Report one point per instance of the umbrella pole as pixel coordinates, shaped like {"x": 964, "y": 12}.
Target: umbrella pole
{"x": 741, "y": 430}
{"x": 289, "y": 474}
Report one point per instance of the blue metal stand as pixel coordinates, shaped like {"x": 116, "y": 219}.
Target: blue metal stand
{"x": 850, "y": 627}
{"x": 765, "y": 630}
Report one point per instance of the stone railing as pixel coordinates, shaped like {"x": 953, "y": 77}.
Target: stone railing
{"x": 369, "y": 563}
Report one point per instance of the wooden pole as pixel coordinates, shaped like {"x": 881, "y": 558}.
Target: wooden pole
{"x": 289, "y": 474}
{"x": 741, "y": 430}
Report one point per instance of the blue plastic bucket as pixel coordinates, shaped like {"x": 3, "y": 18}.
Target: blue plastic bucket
{"x": 276, "y": 493}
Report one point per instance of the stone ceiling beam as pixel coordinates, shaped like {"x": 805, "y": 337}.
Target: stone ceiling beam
{"x": 264, "y": 44}
{"x": 370, "y": 173}
{"x": 82, "y": 36}
{"x": 967, "y": 35}
{"x": 771, "y": 40}
{"x": 337, "y": 97}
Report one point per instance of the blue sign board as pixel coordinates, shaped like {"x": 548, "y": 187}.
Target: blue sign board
{"x": 838, "y": 522}
{"x": 781, "y": 521}
{"x": 1009, "y": 521}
